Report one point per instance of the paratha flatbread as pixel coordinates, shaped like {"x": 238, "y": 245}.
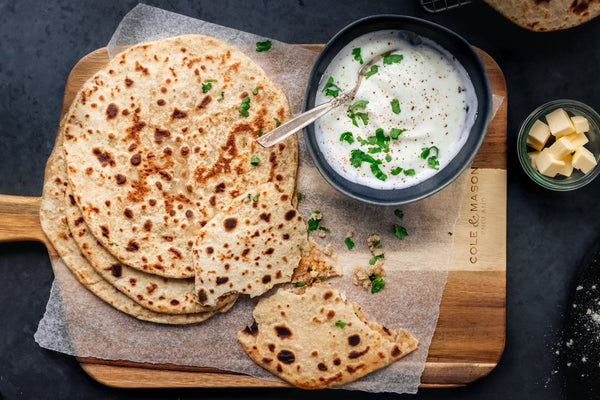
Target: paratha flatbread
{"x": 314, "y": 338}
{"x": 542, "y": 16}
{"x": 55, "y": 227}
{"x": 161, "y": 138}
{"x": 250, "y": 246}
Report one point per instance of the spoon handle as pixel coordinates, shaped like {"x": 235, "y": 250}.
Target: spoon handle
{"x": 293, "y": 125}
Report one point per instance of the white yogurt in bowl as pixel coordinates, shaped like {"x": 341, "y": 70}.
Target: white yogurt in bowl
{"x": 410, "y": 117}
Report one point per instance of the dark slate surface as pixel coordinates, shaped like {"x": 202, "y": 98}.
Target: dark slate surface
{"x": 548, "y": 232}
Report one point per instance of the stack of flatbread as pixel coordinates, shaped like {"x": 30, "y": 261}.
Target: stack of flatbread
{"x": 159, "y": 200}
{"x": 156, "y": 145}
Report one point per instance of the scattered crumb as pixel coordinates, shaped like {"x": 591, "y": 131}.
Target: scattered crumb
{"x": 316, "y": 264}
{"x": 362, "y": 274}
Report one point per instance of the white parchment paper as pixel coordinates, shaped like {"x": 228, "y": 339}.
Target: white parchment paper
{"x": 76, "y": 322}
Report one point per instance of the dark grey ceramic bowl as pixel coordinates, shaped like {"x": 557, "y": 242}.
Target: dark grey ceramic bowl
{"x": 411, "y": 29}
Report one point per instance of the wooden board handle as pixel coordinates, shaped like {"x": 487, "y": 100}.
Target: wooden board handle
{"x": 20, "y": 219}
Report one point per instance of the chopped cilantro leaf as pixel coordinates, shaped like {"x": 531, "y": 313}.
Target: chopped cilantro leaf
{"x": 322, "y": 228}
{"x": 206, "y": 88}
{"x": 260, "y": 133}
{"x": 374, "y": 259}
{"x": 347, "y": 137}
{"x": 400, "y": 232}
{"x": 255, "y": 91}
{"x": 374, "y": 69}
{"x": 398, "y": 213}
{"x": 245, "y": 106}
{"x": 395, "y": 106}
{"x": 363, "y": 116}
{"x": 211, "y": 80}
{"x": 395, "y": 133}
{"x": 396, "y": 171}
{"x": 388, "y": 158}
{"x": 309, "y": 269}
{"x": 255, "y": 198}
{"x": 358, "y": 104}
{"x": 263, "y": 46}
{"x": 373, "y": 150}
{"x": 299, "y": 284}
{"x": 299, "y": 195}
{"x": 450, "y": 233}
{"x": 254, "y": 160}
{"x": 356, "y": 54}
{"x": 432, "y": 162}
{"x": 409, "y": 172}
{"x": 392, "y": 58}
{"x": 340, "y": 323}
{"x": 425, "y": 151}
{"x": 278, "y": 122}
{"x": 377, "y": 283}
{"x": 358, "y": 156}
{"x": 349, "y": 243}
{"x": 322, "y": 277}
{"x": 331, "y": 89}
{"x": 222, "y": 97}
{"x": 378, "y": 172}
{"x": 249, "y": 199}
{"x": 382, "y": 140}
{"x": 313, "y": 224}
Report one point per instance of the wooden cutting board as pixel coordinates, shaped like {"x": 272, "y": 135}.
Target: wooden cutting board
{"x": 470, "y": 334}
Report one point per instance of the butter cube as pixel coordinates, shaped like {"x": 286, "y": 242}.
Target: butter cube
{"x": 533, "y": 155}
{"x": 584, "y": 160}
{"x": 559, "y": 123}
{"x": 561, "y": 148}
{"x": 578, "y": 139}
{"x": 538, "y": 135}
{"x": 580, "y": 124}
{"x": 567, "y": 170}
{"x": 548, "y": 165}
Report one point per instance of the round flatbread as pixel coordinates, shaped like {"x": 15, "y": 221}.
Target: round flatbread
{"x": 250, "y": 246}
{"x": 163, "y": 137}
{"x": 313, "y": 338}
{"x": 54, "y": 224}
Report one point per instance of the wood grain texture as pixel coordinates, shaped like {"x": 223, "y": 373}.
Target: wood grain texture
{"x": 470, "y": 335}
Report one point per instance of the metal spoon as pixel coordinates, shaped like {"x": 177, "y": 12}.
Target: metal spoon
{"x": 310, "y": 116}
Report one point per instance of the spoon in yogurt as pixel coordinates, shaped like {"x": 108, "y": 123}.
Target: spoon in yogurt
{"x": 310, "y": 116}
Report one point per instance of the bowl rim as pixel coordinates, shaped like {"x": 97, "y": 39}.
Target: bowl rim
{"x": 559, "y": 185}
{"x": 486, "y": 93}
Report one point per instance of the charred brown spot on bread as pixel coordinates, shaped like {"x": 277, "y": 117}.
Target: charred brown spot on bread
{"x": 140, "y": 68}
{"x": 89, "y": 170}
{"x": 79, "y": 221}
{"x": 357, "y": 354}
{"x": 176, "y": 253}
{"x": 120, "y": 179}
{"x": 266, "y": 360}
{"x": 104, "y": 158}
{"x": 226, "y": 266}
{"x": 269, "y": 251}
{"x": 337, "y": 361}
{"x": 322, "y": 367}
{"x": 330, "y": 314}
{"x": 132, "y": 281}
{"x": 580, "y": 7}
{"x": 212, "y": 201}
{"x": 161, "y": 102}
{"x": 387, "y": 331}
{"x": 252, "y": 329}
{"x": 286, "y": 357}
{"x": 354, "y": 340}
{"x": 189, "y": 213}
{"x": 151, "y": 288}
{"x": 283, "y": 332}
{"x": 136, "y": 159}
{"x": 185, "y": 151}
{"x": 279, "y": 368}
{"x": 396, "y": 351}
{"x": 111, "y": 111}
{"x": 278, "y": 275}
{"x": 152, "y": 202}
{"x": 220, "y": 188}
{"x": 174, "y": 302}
{"x": 105, "y": 231}
{"x": 290, "y": 215}
{"x": 132, "y": 246}
{"x": 244, "y": 94}
{"x": 284, "y": 197}
{"x": 209, "y": 250}
{"x": 178, "y": 114}
{"x": 160, "y": 134}
{"x": 286, "y": 236}
{"x": 271, "y": 347}
{"x": 327, "y": 295}
{"x": 116, "y": 270}
{"x": 221, "y": 280}
{"x": 230, "y": 224}
{"x": 266, "y": 279}
{"x": 350, "y": 369}
{"x": 205, "y": 102}
{"x": 125, "y": 112}
{"x": 245, "y": 252}
{"x": 265, "y": 217}
{"x": 202, "y": 296}
{"x": 128, "y": 213}
{"x": 128, "y": 82}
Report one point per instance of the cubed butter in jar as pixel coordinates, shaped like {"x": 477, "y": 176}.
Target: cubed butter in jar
{"x": 580, "y": 124}
{"x": 538, "y": 135}
{"x": 559, "y": 123}
{"x": 578, "y": 139}
{"x": 584, "y": 160}
{"x": 561, "y": 148}
{"x": 548, "y": 165}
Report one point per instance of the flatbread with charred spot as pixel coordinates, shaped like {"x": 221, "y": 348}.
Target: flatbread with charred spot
{"x": 157, "y": 142}
{"x": 313, "y": 338}
{"x": 249, "y": 247}
{"x": 546, "y": 15}
{"x": 54, "y": 224}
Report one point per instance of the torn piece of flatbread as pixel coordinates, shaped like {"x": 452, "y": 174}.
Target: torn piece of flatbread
{"x": 250, "y": 246}
{"x": 546, "y": 15}
{"x": 313, "y": 338}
